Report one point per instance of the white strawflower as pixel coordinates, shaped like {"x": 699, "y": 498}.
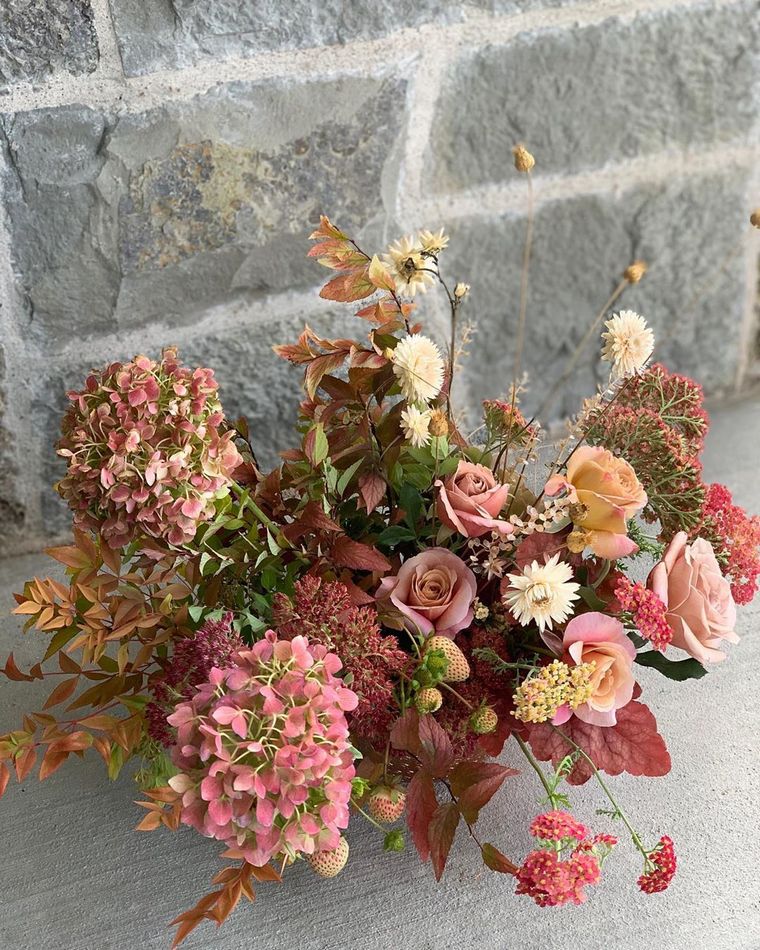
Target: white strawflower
{"x": 410, "y": 268}
{"x": 543, "y": 593}
{"x": 416, "y": 425}
{"x": 433, "y": 242}
{"x": 418, "y": 366}
{"x": 629, "y": 343}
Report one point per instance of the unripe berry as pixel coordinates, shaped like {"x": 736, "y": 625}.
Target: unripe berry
{"x": 458, "y": 669}
{"x": 330, "y": 863}
{"x": 428, "y": 700}
{"x": 484, "y": 720}
{"x": 386, "y": 804}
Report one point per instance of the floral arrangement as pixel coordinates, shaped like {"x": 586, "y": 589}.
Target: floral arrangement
{"x": 371, "y": 630}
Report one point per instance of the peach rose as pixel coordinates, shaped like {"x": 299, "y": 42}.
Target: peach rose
{"x": 595, "y": 637}
{"x": 610, "y": 492}
{"x": 434, "y": 591}
{"x": 470, "y": 500}
{"x": 700, "y": 607}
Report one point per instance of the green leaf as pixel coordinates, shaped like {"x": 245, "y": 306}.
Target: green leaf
{"x": 321, "y": 446}
{"x": 115, "y": 762}
{"x": 439, "y": 447}
{"x": 591, "y": 598}
{"x": 196, "y": 612}
{"x": 679, "y": 670}
{"x": 346, "y": 477}
{"x": 394, "y": 535}
{"x": 411, "y": 501}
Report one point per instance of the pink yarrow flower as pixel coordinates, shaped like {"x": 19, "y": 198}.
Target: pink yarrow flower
{"x": 264, "y": 752}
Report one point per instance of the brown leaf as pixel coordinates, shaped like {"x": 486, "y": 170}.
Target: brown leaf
{"x": 475, "y": 783}
{"x": 496, "y": 861}
{"x": 441, "y": 831}
{"x": 372, "y": 490}
{"x": 14, "y": 673}
{"x": 436, "y": 753}
{"x": 62, "y": 692}
{"x": 70, "y": 555}
{"x": 421, "y": 804}
{"x": 358, "y": 556}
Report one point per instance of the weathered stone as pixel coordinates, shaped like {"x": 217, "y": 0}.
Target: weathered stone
{"x": 118, "y": 222}
{"x": 177, "y": 33}
{"x": 580, "y": 98}
{"x": 581, "y": 247}
{"x": 12, "y": 513}
{"x": 37, "y": 39}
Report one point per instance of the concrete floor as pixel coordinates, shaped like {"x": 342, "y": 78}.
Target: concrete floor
{"x": 76, "y": 877}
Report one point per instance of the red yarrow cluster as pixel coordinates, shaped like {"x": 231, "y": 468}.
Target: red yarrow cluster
{"x": 323, "y": 612}
{"x": 551, "y": 879}
{"x": 735, "y": 537}
{"x": 213, "y": 645}
{"x": 662, "y": 863}
{"x": 647, "y": 612}
{"x": 147, "y": 451}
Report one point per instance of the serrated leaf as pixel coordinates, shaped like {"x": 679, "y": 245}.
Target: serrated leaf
{"x": 496, "y": 861}
{"x": 441, "y": 830}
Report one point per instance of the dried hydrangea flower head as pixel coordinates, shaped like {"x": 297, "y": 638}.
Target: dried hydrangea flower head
{"x": 146, "y": 450}
{"x": 264, "y": 754}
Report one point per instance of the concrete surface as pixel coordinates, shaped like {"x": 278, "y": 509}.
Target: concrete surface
{"x": 76, "y": 877}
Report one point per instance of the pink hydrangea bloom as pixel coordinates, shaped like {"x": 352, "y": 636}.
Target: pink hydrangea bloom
{"x": 264, "y": 753}
{"x": 146, "y": 450}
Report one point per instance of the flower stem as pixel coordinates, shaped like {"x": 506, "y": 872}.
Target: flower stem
{"x": 536, "y": 768}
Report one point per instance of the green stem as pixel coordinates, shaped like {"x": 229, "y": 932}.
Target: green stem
{"x": 618, "y": 810}
{"x": 370, "y": 819}
{"x": 536, "y": 768}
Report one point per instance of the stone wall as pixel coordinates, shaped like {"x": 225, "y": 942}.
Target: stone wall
{"x": 162, "y": 162}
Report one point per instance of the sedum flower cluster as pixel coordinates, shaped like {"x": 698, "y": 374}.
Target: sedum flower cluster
{"x": 147, "y": 450}
{"x": 264, "y": 758}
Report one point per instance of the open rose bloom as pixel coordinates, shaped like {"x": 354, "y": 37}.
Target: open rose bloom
{"x": 700, "y": 608}
{"x": 397, "y": 618}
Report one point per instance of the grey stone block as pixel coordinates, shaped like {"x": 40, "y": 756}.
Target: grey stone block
{"x": 118, "y": 222}
{"x": 37, "y": 39}
{"x": 582, "y": 245}
{"x": 12, "y": 513}
{"x": 580, "y": 98}
{"x": 178, "y": 33}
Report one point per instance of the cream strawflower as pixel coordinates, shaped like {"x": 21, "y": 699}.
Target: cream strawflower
{"x": 543, "y": 593}
{"x": 411, "y": 270}
{"x": 418, "y": 366}
{"x": 629, "y": 343}
{"x": 416, "y": 425}
{"x": 433, "y": 242}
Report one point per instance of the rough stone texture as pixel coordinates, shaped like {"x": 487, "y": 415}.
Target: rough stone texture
{"x": 77, "y": 877}
{"x": 121, "y": 221}
{"x": 605, "y": 92}
{"x": 177, "y": 33}
{"x": 39, "y": 38}
{"x": 581, "y": 247}
{"x": 11, "y": 506}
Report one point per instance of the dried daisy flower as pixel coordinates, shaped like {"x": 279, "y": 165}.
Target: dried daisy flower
{"x": 416, "y": 426}
{"x": 543, "y": 593}
{"x": 629, "y": 343}
{"x": 418, "y": 366}
{"x": 433, "y": 242}
{"x": 411, "y": 269}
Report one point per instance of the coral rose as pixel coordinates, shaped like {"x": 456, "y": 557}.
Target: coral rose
{"x": 599, "y": 639}
{"x": 434, "y": 591}
{"x": 700, "y": 607}
{"x": 470, "y": 500}
{"x": 610, "y": 493}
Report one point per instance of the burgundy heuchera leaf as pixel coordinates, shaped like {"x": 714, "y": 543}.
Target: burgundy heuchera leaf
{"x": 441, "y": 831}
{"x": 421, "y": 805}
{"x": 633, "y": 745}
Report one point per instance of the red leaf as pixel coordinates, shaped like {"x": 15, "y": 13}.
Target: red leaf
{"x": 358, "y": 556}
{"x": 354, "y": 285}
{"x": 475, "y": 783}
{"x": 372, "y": 490}
{"x": 14, "y": 673}
{"x": 496, "y": 861}
{"x": 493, "y": 743}
{"x": 421, "y": 805}
{"x": 633, "y": 745}
{"x": 320, "y": 367}
{"x": 441, "y": 831}
{"x": 405, "y": 734}
{"x": 436, "y": 752}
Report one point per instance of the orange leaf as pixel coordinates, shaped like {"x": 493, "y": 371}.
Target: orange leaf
{"x": 25, "y": 762}
{"x": 52, "y": 761}
{"x": 62, "y": 692}
{"x": 70, "y": 555}
{"x": 5, "y": 775}
{"x": 347, "y": 287}
{"x": 150, "y": 822}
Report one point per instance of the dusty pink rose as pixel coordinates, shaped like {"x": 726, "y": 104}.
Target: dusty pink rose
{"x": 434, "y": 591}
{"x": 470, "y": 500}
{"x": 599, "y": 639}
{"x": 700, "y": 607}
